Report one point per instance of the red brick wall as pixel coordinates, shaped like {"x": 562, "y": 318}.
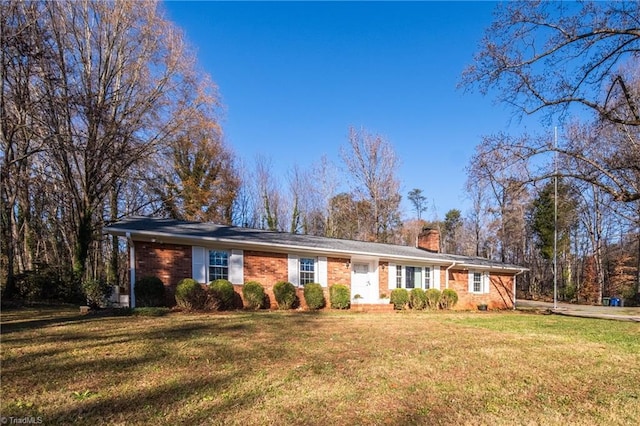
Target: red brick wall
{"x": 338, "y": 272}
{"x": 265, "y": 268}
{"x": 269, "y": 268}
{"x": 169, "y": 262}
{"x": 500, "y": 294}
{"x": 429, "y": 240}
{"x": 383, "y": 280}
{"x": 172, "y": 262}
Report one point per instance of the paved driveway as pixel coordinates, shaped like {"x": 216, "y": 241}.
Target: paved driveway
{"x": 587, "y": 311}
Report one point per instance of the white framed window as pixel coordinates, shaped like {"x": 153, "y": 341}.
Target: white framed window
{"x": 427, "y": 278}
{"x": 413, "y": 277}
{"x": 304, "y": 270}
{"x": 410, "y": 277}
{"x": 307, "y": 271}
{"x": 209, "y": 264}
{"x": 478, "y": 282}
{"x": 218, "y": 265}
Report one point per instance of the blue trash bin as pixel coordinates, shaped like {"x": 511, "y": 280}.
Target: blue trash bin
{"x": 615, "y": 301}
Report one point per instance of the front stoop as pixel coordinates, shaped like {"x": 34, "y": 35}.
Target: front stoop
{"x": 372, "y": 307}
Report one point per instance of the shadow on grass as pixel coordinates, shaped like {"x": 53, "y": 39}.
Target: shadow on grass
{"x": 25, "y": 319}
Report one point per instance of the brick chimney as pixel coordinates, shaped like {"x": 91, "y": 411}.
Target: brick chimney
{"x": 429, "y": 240}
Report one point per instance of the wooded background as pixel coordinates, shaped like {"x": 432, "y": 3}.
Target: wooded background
{"x": 104, "y": 113}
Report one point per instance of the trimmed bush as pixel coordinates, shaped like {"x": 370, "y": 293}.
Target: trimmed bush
{"x": 433, "y": 298}
{"x": 222, "y": 291}
{"x": 314, "y": 296}
{"x": 285, "y": 294}
{"x": 97, "y": 293}
{"x": 149, "y": 292}
{"x": 448, "y": 299}
{"x": 418, "y": 299}
{"x": 399, "y": 298}
{"x": 190, "y": 295}
{"x": 253, "y": 295}
{"x": 339, "y": 296}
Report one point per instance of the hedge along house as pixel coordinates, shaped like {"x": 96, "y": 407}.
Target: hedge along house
{"x": 173, "y": 250}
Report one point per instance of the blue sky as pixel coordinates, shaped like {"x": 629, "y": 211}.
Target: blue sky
{"x": 294, "y": 76}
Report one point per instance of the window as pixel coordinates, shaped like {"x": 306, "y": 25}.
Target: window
{"x": 427, "y": 278}
{"x": 218, "y": 265}
{"x": 478, "y": 282}
{"x": 307, "y": 271}
{"x": 413, "y": 277}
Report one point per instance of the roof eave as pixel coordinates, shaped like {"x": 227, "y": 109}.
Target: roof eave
{"x": 154, "y": 236}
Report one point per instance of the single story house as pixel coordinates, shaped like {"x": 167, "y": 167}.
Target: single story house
{"x": 173, "y": 250}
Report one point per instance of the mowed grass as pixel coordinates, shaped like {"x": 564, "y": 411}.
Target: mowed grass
{"x": 257, "y": 368}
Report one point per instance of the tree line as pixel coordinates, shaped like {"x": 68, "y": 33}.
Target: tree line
{"x": 104, "y": 114}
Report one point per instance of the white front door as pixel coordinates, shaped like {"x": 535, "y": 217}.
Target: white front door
{"x": 362, "y": 284}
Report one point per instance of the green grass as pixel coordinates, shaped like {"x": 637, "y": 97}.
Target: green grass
{"x": 255, "y": 368}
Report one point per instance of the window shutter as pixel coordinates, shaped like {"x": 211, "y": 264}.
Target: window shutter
{"x": 236, "y": 267}
{"x": 470, "y": 284}
{"x": 199, "y": 264}
{"x": 436, "y": 277}
{"x": 487, "y": 282}
{"x": 294, "y": 270}
{"x": 392, "y": 276}
{"x": 322, "y": 271}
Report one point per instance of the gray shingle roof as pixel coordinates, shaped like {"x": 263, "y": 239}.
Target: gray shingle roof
{"x": 141, "y": 227}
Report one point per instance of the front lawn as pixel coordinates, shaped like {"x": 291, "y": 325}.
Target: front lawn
{"x": 256, "y": 368}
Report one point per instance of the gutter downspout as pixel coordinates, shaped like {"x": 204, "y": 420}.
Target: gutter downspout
{"x": 132, "y": 271}
{"x": 514, "y": 287}
{"x": 446, "y": 275}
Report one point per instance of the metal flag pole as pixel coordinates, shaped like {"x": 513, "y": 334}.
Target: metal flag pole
{"x": 555, "y": 219}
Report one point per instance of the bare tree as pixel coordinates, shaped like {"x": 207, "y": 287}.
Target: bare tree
{"x": 504, "y": 176}
{"x": 21, "y": 135}
{"x": 321, "y": 190}
{"x": 550, "y": 56}
{"x": 272, "y": 203}
{"x": 121, "y": 83}
{"x": 90, "y": 92}
{"x": 547, "y": 55}
{"x": 372, "y": 164}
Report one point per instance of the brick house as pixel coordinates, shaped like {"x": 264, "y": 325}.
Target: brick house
{"x": 173, "y": 250}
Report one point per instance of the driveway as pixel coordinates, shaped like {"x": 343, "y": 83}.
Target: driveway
{"x": 586, "y": 311}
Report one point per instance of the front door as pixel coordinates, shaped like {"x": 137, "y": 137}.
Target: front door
{"x": 362, "y": 284}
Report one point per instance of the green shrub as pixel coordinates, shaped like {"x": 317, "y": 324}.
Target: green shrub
{"x": 448, "y": 299}
{"x": 399, "y": 298}
{"x": 97, "y": 293}
{"x": 222, "y": 291}
{"x": 314, "y": 296}
{"x": 417, "y": 299}
{"x": 340, "y": 296}
{"x": 433, "y": 298}
{"x": 285, "y": 294}
{"x": 190, "y": 295}
{"x": 149, "y": 292}
{"x": 253, "y": 295}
